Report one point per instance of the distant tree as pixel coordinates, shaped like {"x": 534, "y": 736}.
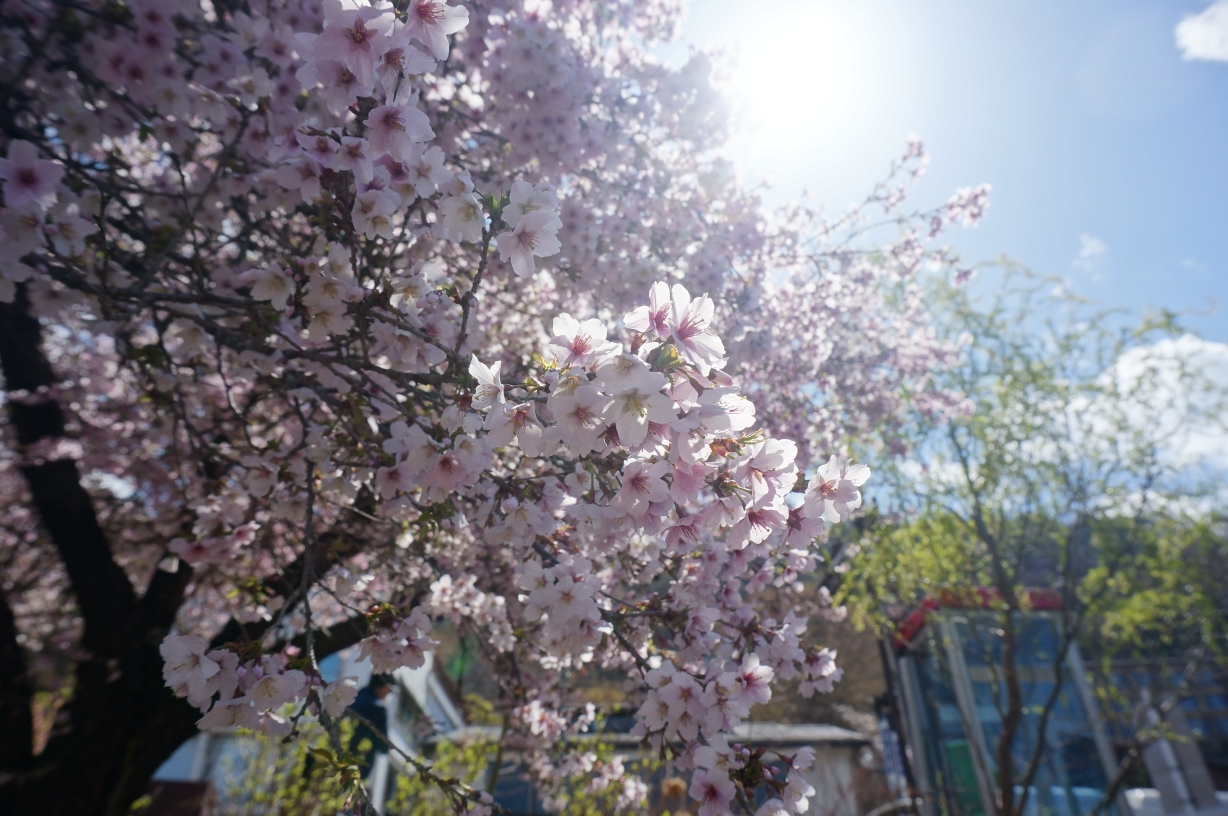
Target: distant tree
{"x": 1168, "y": 596}
{"x": 267, "y": 776}
{"x": 1068, "y": 468}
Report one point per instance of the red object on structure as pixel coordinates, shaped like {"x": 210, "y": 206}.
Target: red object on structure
{"x": 1032, "y": 600}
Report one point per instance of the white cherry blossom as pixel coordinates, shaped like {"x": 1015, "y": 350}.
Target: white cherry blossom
{"x": 690, "y": 322}
{"x": 270, "y": 283}
{"x": 186, "y": 664}
{"x": 652, "y": 319}
{"x": 490, "y": 389}
{"x": 525, "y": 198}
{"x": 431, "y": 21}
{"x": 833, "y": 493}
{"x": 338, "y": 695}
{"x": 462, "y": 218}
{"x": 631, "y": 409}
{"x": 275, "y": 690}
{"x": 533, "y": 237}
{"x": 579, "y": 343}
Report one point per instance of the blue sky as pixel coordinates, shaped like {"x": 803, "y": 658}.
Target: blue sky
{"x": 1107, "y": 151}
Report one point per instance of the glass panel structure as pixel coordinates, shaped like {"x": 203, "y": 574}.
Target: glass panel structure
{"x": 953, "y": 764}
{"x": 960, "y": 695}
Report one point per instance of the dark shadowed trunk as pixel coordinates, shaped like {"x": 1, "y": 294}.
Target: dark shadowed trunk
{"x": 122, "y": 722}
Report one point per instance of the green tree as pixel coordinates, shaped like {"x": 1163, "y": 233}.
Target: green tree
{"x": 267, "y": 777}
{"x": 1066, "y": 463}
{"x": 304, "y": 777}
{"x": 1170, "y": 593}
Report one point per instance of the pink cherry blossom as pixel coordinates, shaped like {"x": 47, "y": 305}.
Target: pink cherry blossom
{"x": 352, "y": 156}
{"x": 355, "y": 37}
{"x": 393, "y": 129}
{"x": 579, "y": 415}
{"x": 342, "y": 86}
{"x": 27, "y": 178}
{"x": 713, "y": 790}
{"x": 643, "y": 483}
{"x": 186, "y": 664}
{"x": 755, "y": 680}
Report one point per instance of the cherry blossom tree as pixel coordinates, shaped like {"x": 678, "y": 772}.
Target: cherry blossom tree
{"x": 323, "y": 323}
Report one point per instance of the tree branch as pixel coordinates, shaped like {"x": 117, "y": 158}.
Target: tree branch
{"x": 163, "y": 597}
{"x": 341, "y": 542}
{"x": 332, "y": 639}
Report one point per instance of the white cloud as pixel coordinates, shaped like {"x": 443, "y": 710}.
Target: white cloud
{"x": 1091, "y": 253}
{"x": 1174, "y": 393}
{"x": 1205, "y": 35}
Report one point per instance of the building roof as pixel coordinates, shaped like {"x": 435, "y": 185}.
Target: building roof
{"x": 798, "y": 734}
{"x": 1033, "y": 600}
{"x": 759, "y": 733}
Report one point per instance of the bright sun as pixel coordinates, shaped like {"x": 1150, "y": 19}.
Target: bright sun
{"x": 813, "y": 83}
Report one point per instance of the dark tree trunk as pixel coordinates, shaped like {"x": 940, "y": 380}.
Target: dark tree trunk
{"x": 116, "y": 735}
{"x": 15, "y": 696}
{"x": 122, "y": 722}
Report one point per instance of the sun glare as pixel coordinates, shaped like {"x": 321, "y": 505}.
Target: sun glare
{"x": 813, "y": 84}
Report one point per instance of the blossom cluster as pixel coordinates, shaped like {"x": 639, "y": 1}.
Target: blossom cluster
{"x": 714, "y": 791}
{"x": 661, "y": 455}
{"x": 404, "y": 645}
{"x": 250, "y": 694}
